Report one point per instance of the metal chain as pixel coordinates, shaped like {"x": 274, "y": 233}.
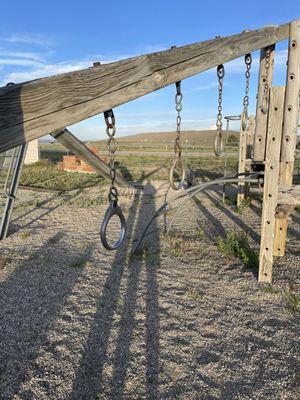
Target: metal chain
{"x": 248, "y": 61}
{"x": 112, "y": 146}
{"x": 264, "y": 106}
{"x": 178, "y": 107}
{"x": 219, "y": 138}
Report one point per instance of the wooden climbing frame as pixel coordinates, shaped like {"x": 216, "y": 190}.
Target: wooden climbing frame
{"x": 44, "y": 106}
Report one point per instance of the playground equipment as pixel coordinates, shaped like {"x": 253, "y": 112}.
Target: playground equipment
{"x": 33, "y": 109}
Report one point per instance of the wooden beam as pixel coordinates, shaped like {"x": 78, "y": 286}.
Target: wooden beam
{"x": 271, "y": 177}
{"x": 34, "y": 109}
{"x": 290, "y": 125}
{"x": 67, "y": 139}
{"x": 261, "y": 116}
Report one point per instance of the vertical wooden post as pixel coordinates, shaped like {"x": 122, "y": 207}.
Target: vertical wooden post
{"x": 261, "y": 117}
{"x": 290, "y": 124}
{"x": 249, "y": 150}
{"x": 242, "y": 163}
{"x": 273, "y": 145}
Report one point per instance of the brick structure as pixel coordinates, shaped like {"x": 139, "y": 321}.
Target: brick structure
{"x": 74, "y": 163}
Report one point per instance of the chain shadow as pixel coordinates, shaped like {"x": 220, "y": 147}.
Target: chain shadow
{"x": 149, "y": 258}
{"x": 96, "y": 347}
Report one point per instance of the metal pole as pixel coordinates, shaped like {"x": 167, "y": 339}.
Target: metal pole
{"x": 12, "y": 192}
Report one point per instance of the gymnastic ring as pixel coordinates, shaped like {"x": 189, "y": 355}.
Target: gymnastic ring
{"x": 180, "y": 162}
{"x": 264, "y": 106}
{"x": 113, "y": 209}
{"x": 244, "y": 120}
{"x": 219, "y": 144}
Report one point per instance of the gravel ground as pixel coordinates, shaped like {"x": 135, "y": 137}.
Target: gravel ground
{"x": 176, "y": 321}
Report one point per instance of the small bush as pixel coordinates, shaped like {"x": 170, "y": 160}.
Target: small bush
{"x": 237, "y": 244}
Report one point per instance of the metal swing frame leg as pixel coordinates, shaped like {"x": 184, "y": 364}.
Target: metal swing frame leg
{"x": 11, "y": 192}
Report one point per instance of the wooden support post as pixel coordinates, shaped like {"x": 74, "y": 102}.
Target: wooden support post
{"x": 273, "y": 145}
{"x": 290, "y": 124}
{"x": 261, "y": 117}
{"x": 249, "y": 150}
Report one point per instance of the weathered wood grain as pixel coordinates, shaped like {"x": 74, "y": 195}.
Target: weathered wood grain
{"x": 274, "y": 135}
{"x": 261, "y": 117}
{"x": 34, "y": 109}
{"x": 290, "y": 125}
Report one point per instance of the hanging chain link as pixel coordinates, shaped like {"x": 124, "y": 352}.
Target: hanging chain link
{"x": 248, "y": 62}
{"x": 178, "y": 163}
{"x": 264, "y": 106}
{"x": 112, "y": 147}
{"x": 113, "y": 208}
{"x": 178, "y": 107}
{"x": 219, "y": 136}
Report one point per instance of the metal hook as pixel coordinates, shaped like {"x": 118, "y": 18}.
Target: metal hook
{"x": 177, "y": 162}
{"x": 113, "y": 209}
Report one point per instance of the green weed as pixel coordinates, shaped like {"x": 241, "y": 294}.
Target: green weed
{"x": 271, "y": 289}
{"x": 25, "y": 234}
{"x": 237, "y": 244}
{"x": 292, "y": 302}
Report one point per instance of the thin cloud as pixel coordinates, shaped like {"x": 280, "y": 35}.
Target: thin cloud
{"x": 21, "y": 54}
{"x": 19, "y": 62}
{"x": 26, "y": 38}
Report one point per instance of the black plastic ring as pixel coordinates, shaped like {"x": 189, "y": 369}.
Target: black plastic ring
{"x": 113, "y": 209}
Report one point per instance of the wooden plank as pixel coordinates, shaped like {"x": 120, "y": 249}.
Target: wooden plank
{"x": 274, "y": 135}
{"x": 291, "y": 106}
{"x": 289, "y": 195}
{"x": 261, "y": 117}
{"x": 290, "y": 124}
{"x": 34, "y": 109}
{"x": 67, "y": 139}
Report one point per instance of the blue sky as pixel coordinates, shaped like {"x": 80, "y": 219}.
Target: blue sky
{"x": 45, "y": 38}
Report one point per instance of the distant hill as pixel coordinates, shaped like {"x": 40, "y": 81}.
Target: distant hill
{"x": 204, "y": 138}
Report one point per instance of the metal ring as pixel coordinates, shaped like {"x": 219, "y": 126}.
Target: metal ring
{"x": 220, "y": 71}
{"x": 219, "y": 144}
{"x": 177, "y": 161}
{"x": 244, "y": 120}
{"x": 264, "y": 106}
{"x": 113, "y": 209}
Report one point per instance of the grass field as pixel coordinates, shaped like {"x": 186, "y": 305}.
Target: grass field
{"x": 47, "y": 174}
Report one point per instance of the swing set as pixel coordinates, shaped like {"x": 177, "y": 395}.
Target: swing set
{"x": 33, "y": 109}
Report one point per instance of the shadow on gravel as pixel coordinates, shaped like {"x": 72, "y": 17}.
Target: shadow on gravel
{"x": 238, "y": 221}
{"x": 31, "y": 299}
{"x": 62, "y": 199}
{"x": 89, "y": 381}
